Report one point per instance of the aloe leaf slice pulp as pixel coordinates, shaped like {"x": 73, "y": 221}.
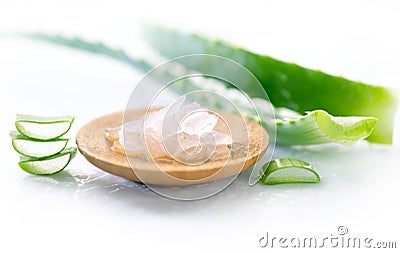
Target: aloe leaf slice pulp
{"x": 288, "y": 170}
{"x": 36, "y": 148}
{"x": 49, "y": 165}
{"x": 43, "y": 128}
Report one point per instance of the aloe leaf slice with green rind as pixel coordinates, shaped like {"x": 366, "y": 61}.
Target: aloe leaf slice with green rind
{"x": 49, "y": 165}
{"x": 288, "y": 171}
{"x": 43, "y": 128}
{"x": 36, "y": 148}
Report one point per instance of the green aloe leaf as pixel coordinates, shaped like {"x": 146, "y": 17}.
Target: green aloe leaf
{"x": 288, "y": 171}
{"x": 317, "y": 127}
{"x": 93, "y": 47}
{"x": 287, "y": 85}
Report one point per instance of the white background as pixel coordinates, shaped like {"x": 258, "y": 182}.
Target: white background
{"x": 83, "y": 209}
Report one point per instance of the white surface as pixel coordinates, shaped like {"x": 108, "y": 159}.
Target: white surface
{"x": 84, "y": 209}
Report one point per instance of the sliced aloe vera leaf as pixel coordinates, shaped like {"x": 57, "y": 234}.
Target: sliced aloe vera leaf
{"x": 49, "y": 165}
{"x": 37, "y": 148}
{"x": 288, "y": 171}
{"x": 319, "y": 127}
{"x": 43, "y": 128}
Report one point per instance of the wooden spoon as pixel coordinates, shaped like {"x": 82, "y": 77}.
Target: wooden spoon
{"x": 96, "y": 148}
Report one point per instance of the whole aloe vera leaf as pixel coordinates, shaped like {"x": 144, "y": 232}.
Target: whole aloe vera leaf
{"x": 96, "y": 48}
{"x": 297, "y": 130}
{"x": 288, "y": 85}
{"x": 316, "y": 127}
{"x": 313, "y": 128}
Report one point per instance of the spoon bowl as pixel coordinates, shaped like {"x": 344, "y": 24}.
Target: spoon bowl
{"x": 96, "y": 148}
